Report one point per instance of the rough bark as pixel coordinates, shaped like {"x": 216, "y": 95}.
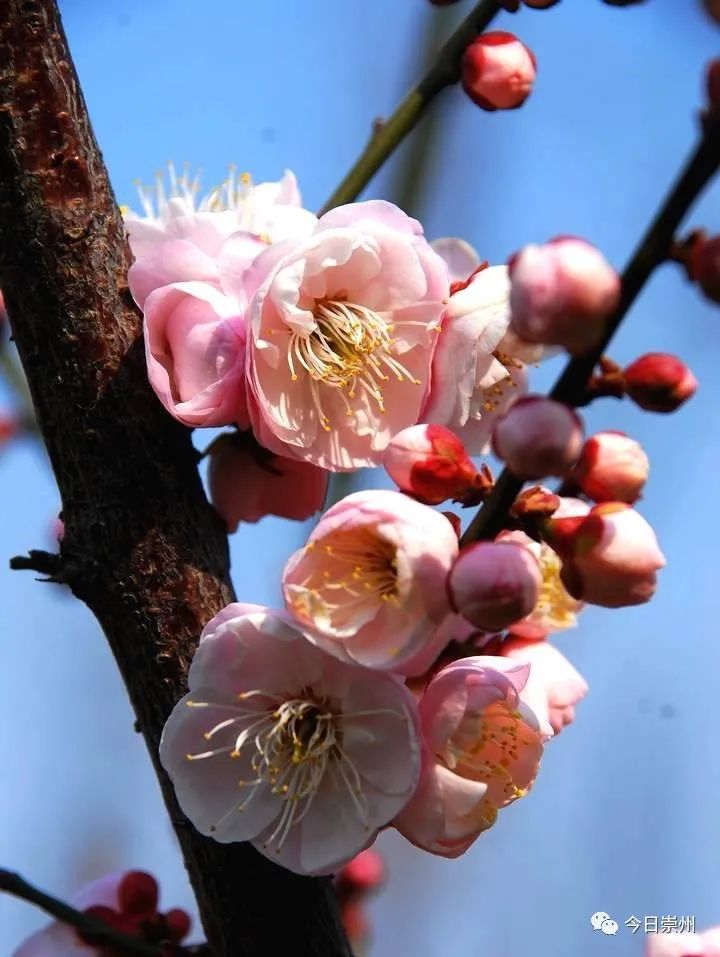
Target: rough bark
{"x": 142, "y": 547}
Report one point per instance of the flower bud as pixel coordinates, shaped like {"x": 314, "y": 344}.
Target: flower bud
{"x": 659, "y": 382}
{"x": 430, "y": 463}
{"x": 562, "y": 294}
{"x": 537, "y": 437}
{"x": 493, "y": 584}
{"x": 247, "y": 482}
{"x": 612, "y": 468}
{"x": 610, "y": 556}
{"x": 363, "y": 874}
{"x": 9, "y": 428}
{"x": 540, "y": 4}
{"x": 498, "y": 71}
{"x": 704, "y": 262}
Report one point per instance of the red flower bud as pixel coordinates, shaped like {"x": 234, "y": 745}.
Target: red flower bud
{"x": 498, "y": 71}
{"x": 704, "y": 260}
{"x": 659, "y": 382}
{"x": 178, "y": 924}
{"x": 430, "y": 463}
{"x": 138, "y": 894}
{"x": 612, "y": 468}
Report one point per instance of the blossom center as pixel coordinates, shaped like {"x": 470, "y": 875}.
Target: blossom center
{"x": 556, "y": 608}
{"x": 293, "y": 745}
{"x": 348, "y": 350}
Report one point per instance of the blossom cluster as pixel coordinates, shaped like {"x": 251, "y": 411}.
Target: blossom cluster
{"x": 408, "y": 680}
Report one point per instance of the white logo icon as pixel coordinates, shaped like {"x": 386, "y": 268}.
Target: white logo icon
{"x": 609, "y": 927}
{"x": 597, "y": 919}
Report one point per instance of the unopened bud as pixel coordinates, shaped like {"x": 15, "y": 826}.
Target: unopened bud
{"x": 138, "y": 894}
{"x": 540, "y": 4}
{"x": 538, "y": 437}
{"x": 612, "y": 468}
{"x": 562, "y": 294}
{"x": 494, "y": 584}
{"x": 363, "y": 874}
{"x": 430, "y": 463}
{"x": 703, "y": 264}
{"x": 610, "y": 556}
{"x": 498, "y": 71}
{"x": 659, "y": 382}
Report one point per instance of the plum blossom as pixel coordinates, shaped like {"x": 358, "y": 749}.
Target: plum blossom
{"x": 247, "y": 482}
{"x": 282, "y": 745}
{"x": 482, "y": 750}
{"x": 659, "y": 382}
{"x": 612, "y": 468}
{"x": 369, "y": 586}
{"x": 195, "y": 353}
{"x": 343, "y": 327}
{"x": 554, "y": 686}
{"x": 127, "y": 902}
{"x": 479, "y": 364}
{"x": 273, "y": 210}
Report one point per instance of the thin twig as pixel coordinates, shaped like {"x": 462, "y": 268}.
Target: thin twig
{"x": 444, "y": 72}
{"x": 650, "y": 253}
{"x": 89, "y": 926}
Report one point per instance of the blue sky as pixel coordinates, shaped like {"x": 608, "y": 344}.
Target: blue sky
{"x": 624, "y": 817}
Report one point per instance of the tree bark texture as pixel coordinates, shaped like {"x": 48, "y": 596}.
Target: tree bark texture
{"x": 142, "y": 547}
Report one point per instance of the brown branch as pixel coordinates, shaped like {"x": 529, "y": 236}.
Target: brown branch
{"x": 653, "y": 249}
{"x": 142, "y": 547}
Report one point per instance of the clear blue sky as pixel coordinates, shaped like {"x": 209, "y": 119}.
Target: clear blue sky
{"x": 624, "y": 817}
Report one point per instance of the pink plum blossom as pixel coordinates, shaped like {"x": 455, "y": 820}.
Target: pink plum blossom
{"x": 498, "y": 71}
{"x": 610, "y": 557}
{"x": 479, "y": 366}
{"x": 537, "y": 437}
{"x": 247, "y": 482}
{"x": 612, "y": 468}
{"x": 563, "y": 292}
{"x": 430, "y": 463}
{"x": 282, "y": 745}
{"x": 195, "y": 351}
{"x": 482, "y": 750}
{"x": 344, "y": 324}
{"x": 493, "y": 584}
{"x": 554, "y": 686}
{"x": 127, "y": 902}
{"x": 273, "y": 210}
{"x": 369, "y": 586}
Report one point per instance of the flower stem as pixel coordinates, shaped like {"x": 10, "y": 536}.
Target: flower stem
{"x": 652, "y": 250}
{"x": 388, "y": 135}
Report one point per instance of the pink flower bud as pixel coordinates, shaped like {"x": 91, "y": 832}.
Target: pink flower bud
{"x": 430, "y": 463}
{"x": 498, "y": 71}
{"x": 247, "y": 482}
{"x": 562, "y": 294}
{"x": 612, "y": 468}
{"x": 537, "y": 437}
{"x": 610, "y": 556}
{"x": 659, "y": 382}
{"x": 493, "y": 584}
{"x": 704, "y": 259}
